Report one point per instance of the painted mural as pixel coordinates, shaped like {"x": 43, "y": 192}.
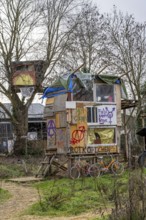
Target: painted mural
{"x": 78, "y": 132}
{"x": 101, "y": 136}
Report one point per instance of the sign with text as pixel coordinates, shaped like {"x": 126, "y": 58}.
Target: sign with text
{"x": 107, "y": 115}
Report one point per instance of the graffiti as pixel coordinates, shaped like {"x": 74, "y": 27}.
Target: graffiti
{"x": 78, "y": 135}
{"x": 51, "y": 130}
{"x": 106, "y": 115}
{"x": 93, "y": 150}
{"x": 110, "y": 114}
{"x": 80, "y": 115}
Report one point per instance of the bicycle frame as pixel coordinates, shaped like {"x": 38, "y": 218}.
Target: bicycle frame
{"x": 104, "y": 166}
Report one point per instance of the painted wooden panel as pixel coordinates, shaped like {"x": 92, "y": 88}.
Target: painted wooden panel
{"x": 51, "y": 132}
{"x": 61, "y": 140}
{"x": 79, "y": 115}
{"x": 49, "y": 101}
{"x": 107, "y": 115}
{"x": 78, "y": 135}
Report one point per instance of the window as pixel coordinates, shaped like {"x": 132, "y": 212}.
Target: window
{"x": 6, "y": 130}
{"x": 103, "y": 136}
{"x": 102, "y": 114}
{"x": 92, "y": 116}
{"x": 24, "y": 68}
{"x": 105, "y": 93}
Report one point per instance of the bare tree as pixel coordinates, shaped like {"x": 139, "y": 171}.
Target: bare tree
{"x": 18, "y": 19}
{"x": 27, "y": 26}
{"x": 57, "y": 29}
{"x": 125, "y": 50}
{"x": 86, "y": 40}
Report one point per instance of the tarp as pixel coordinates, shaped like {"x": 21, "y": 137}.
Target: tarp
{"x": 62, "y": 85}
{"x": 74, "y": 82}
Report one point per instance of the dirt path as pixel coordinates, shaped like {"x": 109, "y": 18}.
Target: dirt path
{"x": 22, "y": 198}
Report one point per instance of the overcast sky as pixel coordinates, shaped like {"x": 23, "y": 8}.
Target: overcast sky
{"x": 135, "y": 7}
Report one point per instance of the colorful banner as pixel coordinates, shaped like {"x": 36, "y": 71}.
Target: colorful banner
{"x": 101, "y": 136}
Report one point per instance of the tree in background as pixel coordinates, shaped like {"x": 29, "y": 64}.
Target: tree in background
{"x": 55, "y": 21}
{"x": 125, "y": 50}
{"x": 86, "y": 41}
{"x": 29, "y": 27}
{"x": 125, "y": 53}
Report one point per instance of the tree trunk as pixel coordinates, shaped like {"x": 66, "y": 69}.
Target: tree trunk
{"x": 20, "y": 130}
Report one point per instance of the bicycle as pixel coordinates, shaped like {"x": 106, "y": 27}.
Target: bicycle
{"x": 79, "y": 169}
{"x": 101, "y": 167}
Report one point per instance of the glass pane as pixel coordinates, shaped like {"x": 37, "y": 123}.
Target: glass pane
{"x": 92, "y": 115}
{"x": 105, "y": 93}
{"x": 101, "y": 136}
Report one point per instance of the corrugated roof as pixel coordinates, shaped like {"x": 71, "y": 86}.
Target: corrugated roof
{"x": 35, "y": 110}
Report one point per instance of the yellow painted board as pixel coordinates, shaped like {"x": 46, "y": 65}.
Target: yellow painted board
{"x": 78, "y": 135}
{"x": 49, "y": 101}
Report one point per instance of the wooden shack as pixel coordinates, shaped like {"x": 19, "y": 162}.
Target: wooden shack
{"x": 27, "y": 73}
{"x": 83, "y": 114}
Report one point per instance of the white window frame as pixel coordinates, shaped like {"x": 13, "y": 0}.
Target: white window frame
{"x": 94, "y": 93}
{"x": 104, "y": 145}
{"x": 92, "y": 123}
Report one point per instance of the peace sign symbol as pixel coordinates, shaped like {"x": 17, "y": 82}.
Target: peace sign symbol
{"x": 51, "y": 128}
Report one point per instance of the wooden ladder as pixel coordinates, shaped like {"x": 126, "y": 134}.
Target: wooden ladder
{"x": 45, "y": 167}
{"x": 51, "y": 159}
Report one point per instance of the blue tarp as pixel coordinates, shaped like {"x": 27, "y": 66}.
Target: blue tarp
{"x": 66, "y": 85}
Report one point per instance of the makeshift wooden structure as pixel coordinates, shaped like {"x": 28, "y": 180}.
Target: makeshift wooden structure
{"x": 83, "y": 114}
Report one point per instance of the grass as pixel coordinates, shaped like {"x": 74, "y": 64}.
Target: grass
{"x": 4, "y": 195}
{"x": 66, "y": 197}
{"x": 13, "y": 167}
{"x": 10, "y": 171}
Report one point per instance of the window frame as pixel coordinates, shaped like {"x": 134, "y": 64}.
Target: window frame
{"x": 95, "y": 85}
{"x": 104, "y": 145}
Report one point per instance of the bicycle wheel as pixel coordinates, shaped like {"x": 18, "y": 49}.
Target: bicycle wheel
{"x": 117, "y": 168}
{"x": 94, "y": 170}
{"x": 74, "y": 173}
{"x": 84, "y": 171}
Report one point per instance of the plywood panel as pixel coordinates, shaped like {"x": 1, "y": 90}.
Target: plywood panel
{"x": 78, "y": 135}
{"x": 51, "y": 132}
{"x": 61, "y": 140}
{"x": 60, "y": 103}
{"x": 61, "y": 120}
{"x": 118, "y": 103}
{"x": 48, "y": 111}
{"x": 79, "y": 115}
{"x": 49, "y": 101}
